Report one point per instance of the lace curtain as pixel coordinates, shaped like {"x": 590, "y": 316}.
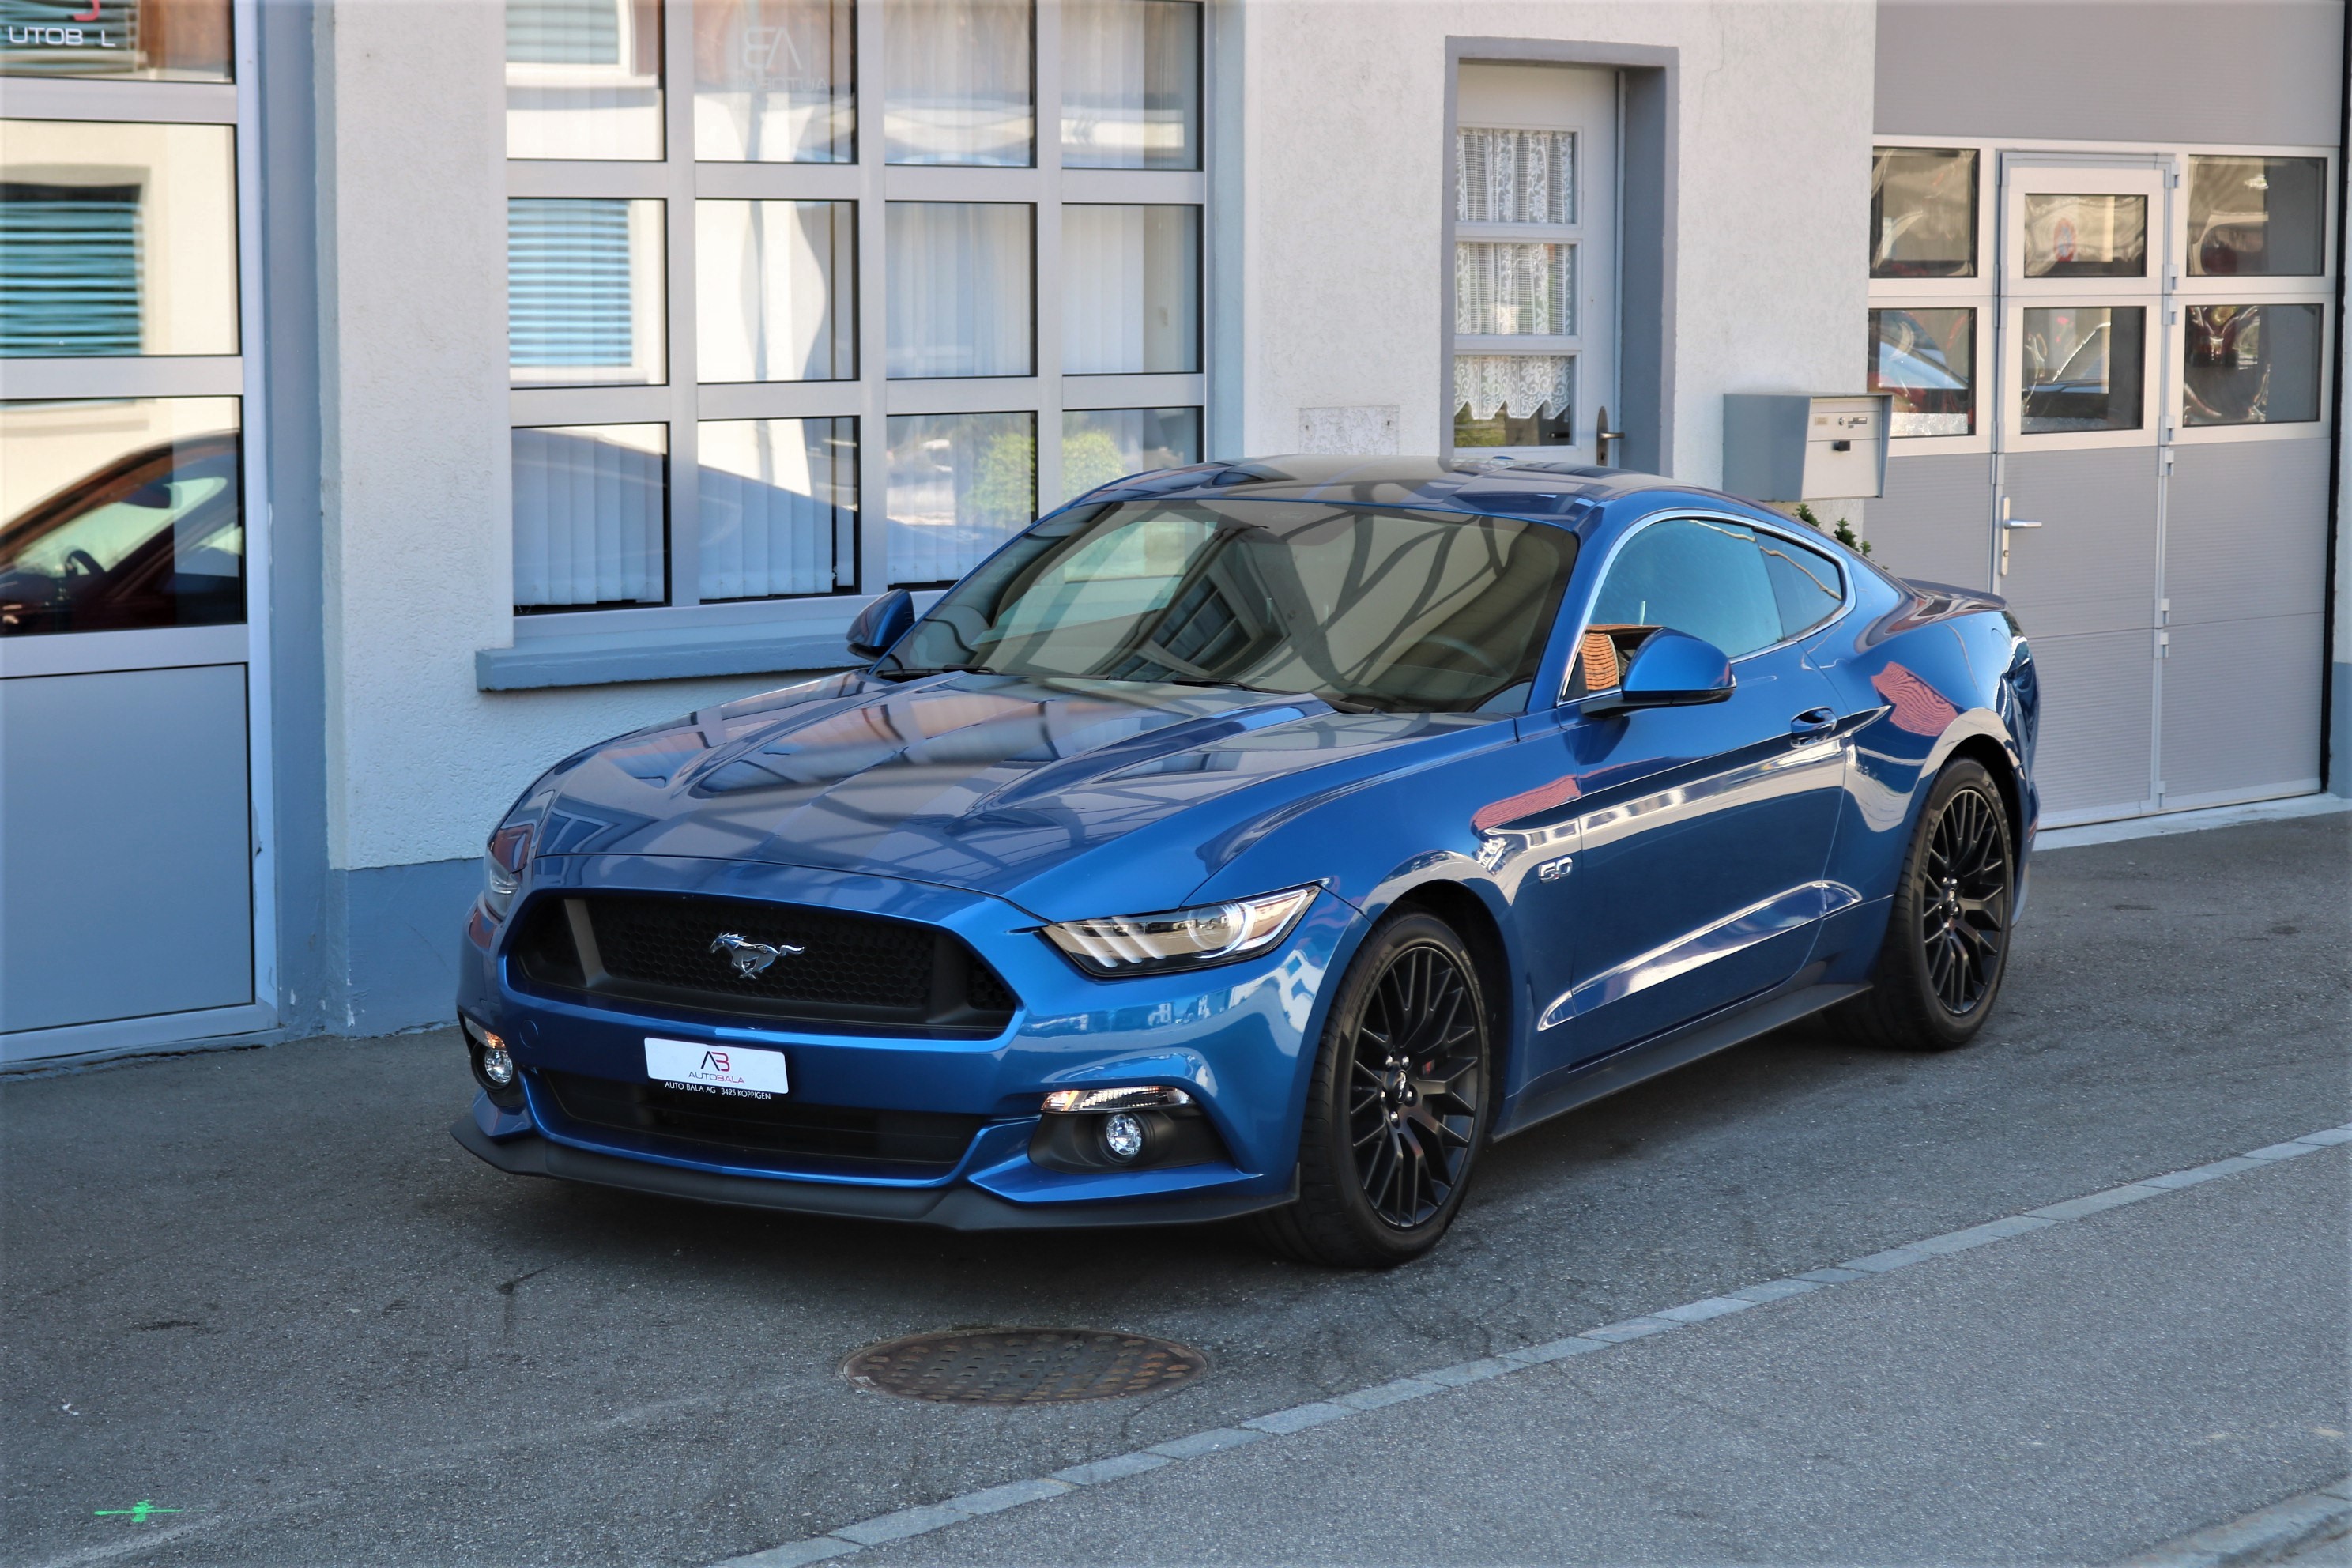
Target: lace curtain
{"x": 1521, "y": 385}
{"x": 1513, "y": 289}
{"x": 1515, "y": 177}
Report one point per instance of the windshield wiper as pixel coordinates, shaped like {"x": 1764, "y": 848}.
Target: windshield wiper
{"x": 905, "y": 673}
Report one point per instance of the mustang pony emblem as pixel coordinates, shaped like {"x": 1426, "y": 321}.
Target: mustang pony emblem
{"x": 751, "y": 958}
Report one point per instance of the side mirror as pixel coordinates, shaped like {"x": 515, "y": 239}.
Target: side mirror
{"x": 1670, "y": 670}
{"x": 881, "y": 624}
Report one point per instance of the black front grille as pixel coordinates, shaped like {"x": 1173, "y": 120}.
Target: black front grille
{"x": 680, "y": 952}
{"x": 914, "y": 1143}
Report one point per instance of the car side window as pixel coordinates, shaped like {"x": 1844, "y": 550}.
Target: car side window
{"x": 1701, "y": 576}
{"x": 1806, "y": 583}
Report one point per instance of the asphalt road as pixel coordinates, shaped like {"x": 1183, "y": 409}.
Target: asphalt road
{"x": 264, "y": 1289}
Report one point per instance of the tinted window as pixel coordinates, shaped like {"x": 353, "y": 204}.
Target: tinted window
{"x": 1705, "y": 578}
{"x": 1406, "y": 610}
{"x": 1805, "y": 583}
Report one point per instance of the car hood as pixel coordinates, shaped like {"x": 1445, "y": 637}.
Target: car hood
{"x": 998, "y": 784}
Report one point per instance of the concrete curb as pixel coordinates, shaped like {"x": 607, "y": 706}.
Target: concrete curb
{"x": 2266, "y": 1535}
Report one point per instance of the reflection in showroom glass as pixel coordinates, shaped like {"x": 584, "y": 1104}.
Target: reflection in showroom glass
{"x": 584, "y": 296}
{"x": 121, "y": 514}
{"x": 2082, "y": 368}
{"x": 961, "y": 87}
{"x": 1130, "y": 290}
{"x": 2250, "y": 365}
{"x": 774, "y": 81}
{"x": 1099, "y": 445}
{"x": 775, "y": 290}
{"x": 1131, "y": 84}
{"x": 137, "y": 40}
{"x": 960, "y": 485}
{"x": 1925, "y": 358}
{"x": 1923, "y": 212}
{"x": 2257, "y": 217}
{"x": 585, "y": 81}
{"x": 2085, "y": 235}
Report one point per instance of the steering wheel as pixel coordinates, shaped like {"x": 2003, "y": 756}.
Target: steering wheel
{"x": 1484, "y": 660}
{"x": 86, "y": 561}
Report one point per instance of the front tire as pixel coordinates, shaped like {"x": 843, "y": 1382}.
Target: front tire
{"x": 1398, "y": 1106}
{"x": 1946, "y": 946}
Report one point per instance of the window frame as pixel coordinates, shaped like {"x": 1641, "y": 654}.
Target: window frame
{"x": 683, "y": 401}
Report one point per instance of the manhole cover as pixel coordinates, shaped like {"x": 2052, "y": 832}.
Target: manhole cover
{"x": 1024, "y": 1366}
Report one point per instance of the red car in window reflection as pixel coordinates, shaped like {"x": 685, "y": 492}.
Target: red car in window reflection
{"x": 155, "y": 538}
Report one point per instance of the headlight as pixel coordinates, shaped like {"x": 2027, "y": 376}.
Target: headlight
{"x": 503, "y": 868}
{"x": 1181, "y": 939}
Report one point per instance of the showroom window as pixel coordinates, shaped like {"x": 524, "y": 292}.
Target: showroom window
{"x": 799, "y": 311}
{"x": 1931, "y": 292}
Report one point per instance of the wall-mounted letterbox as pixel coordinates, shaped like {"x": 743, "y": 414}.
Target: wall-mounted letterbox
{"x": 1784, "y": 447}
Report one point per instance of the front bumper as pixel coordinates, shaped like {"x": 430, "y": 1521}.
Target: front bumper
{"x": 1237, "y": 1038}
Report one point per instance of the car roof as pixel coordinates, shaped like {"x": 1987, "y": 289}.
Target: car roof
{"x": 1563, "y": 493}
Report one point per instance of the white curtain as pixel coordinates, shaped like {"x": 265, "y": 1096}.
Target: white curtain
{"x": 778, "y": 505}
{"x": 1521, "y": 385}
{"x": 589, "y": 504}
{"x": 1130, "y": 290}
{"x": 960, "y": 88}
{"x": 776, "y": 293}
{"x": 1513, "y": 289}
{"x": 1131, "y": 84}
{"x": 773, "y": 81}
{"x": 959, "y": 289}
{"x": 960, "y": 485}
{"x": 1515, "y": 177}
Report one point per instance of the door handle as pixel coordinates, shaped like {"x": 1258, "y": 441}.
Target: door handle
{"x": 2007, "y": 523}
{"x": 1812, "y": 723}
{"x": 1602, "y": 436}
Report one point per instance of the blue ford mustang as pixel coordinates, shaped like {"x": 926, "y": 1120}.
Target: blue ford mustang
{"x": 1258, "y": 839}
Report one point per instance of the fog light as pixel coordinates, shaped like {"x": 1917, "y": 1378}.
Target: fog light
{"x": 497, "y": 1065}
{"x": 1122, "y": 1136}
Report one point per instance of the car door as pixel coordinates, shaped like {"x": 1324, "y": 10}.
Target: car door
{"x": 1702, "y": 832}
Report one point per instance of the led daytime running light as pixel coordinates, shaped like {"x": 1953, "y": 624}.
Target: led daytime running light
{"x": 1181, "y": 939}
{"x": 1070, "y": 1101}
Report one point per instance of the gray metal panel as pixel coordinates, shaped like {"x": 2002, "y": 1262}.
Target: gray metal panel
{"x": 2098, "y": 712}
{"x": 1935, "y": 523}
{"x": 2091, "y": 567}
{"x": 2102, "y": 70}
{"x": 2242, "y": 709}
{"x": 125, "y": 846}
{"x": 2245, "y": 530}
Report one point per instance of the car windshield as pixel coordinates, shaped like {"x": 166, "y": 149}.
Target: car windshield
{"x": 1401, "y": 610}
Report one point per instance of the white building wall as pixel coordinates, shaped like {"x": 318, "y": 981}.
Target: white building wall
{"x": 417, "y": 553}
{"x": 1344, "y": 167}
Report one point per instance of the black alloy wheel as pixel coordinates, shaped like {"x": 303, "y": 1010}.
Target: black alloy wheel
{"x": 1412, "y": 1100}
{"x": 1946, "y": 946}
{"x": 1964, "y": 926}
{"x": 1398, "y": 1106}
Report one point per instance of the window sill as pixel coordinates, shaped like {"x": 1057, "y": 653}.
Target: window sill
{"x": 679, "y": 653}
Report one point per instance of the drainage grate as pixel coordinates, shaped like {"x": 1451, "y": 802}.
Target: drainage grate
{"x": 1024, "y": 1366}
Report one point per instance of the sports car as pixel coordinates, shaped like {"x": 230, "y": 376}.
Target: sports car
{"x": 1258, "y": 839}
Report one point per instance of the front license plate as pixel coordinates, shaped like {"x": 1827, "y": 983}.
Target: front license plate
{"x": 715, "y": 1067}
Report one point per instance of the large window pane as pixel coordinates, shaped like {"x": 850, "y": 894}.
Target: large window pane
{"x": 584, "y": 79}
{"x": 2257, "y": 217}
{"x": 2086, "y": 236}
{"x": 779, "y": 502}
{"x": 120, "y": 514}
{"x": 1130, "y": 290}
{"x": 2083, "y": 368}
{"x": 1514, "y": 176}
{"x": 1513, "y": 289}
{"x": 584, "y": 302}
{"x": 961, "y": 87}
{"x": 776, "y": 290}
{"x": 117, "y": 239}
{"x": 591, "y": 510}
{"x": 1099, "y": 445}
{"x": 960, "y": 286}
{"x": 147, "y": 40}
{"x": 1514, "y": 400}
{"x": 1923, "y": 212}
{"x": 960, "y": 485}
{"x": 1927, "y": 359}
{"x": 1131, "y": 84}
{"x": 2251, "y": 364}
{"x": 773, "y": 81}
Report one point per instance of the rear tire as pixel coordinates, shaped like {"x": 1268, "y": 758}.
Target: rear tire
{"x": 1946, "y": 946}
{"x": 1398, "y": 1106}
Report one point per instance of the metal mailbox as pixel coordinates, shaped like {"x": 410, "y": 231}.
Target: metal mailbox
{"x": 1789, "y": 446}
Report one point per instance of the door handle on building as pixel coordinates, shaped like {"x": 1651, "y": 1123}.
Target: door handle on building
{"x": 1602, "y": 437}
{"x": 2007, "y": 523}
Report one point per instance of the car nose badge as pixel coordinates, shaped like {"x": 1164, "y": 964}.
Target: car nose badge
{"x": 751, "y": 958}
